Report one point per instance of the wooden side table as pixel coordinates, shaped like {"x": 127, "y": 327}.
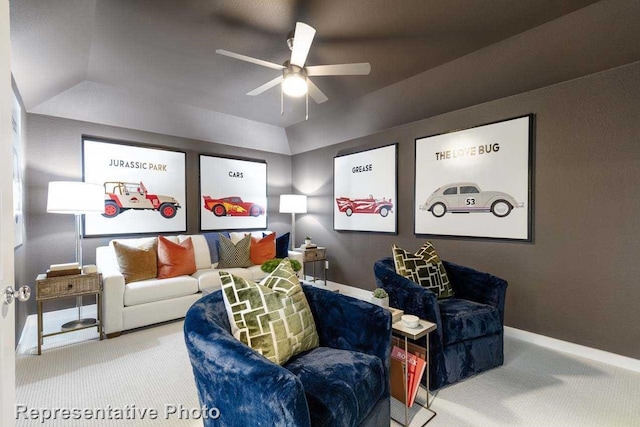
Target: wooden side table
{"x": 76, "y": 285}
{"x": 424, "y": 329}
{"x": 313, "y": 255}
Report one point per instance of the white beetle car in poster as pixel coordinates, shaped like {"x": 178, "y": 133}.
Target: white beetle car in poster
{"x": 466, "y": 197}
{"x": 475, "y": 182}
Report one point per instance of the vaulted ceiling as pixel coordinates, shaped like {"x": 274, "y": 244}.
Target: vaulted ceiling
{"x": 151, "y": 64}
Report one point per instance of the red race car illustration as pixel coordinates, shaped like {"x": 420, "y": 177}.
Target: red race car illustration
{"x": 369, "y": 205}
{"x": 122, "y": 196}
{"x": 232, "y": 206}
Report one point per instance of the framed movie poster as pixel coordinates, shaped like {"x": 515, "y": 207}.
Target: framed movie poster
{"x": 145, "y": 188}
{"x": 233, "y": 193}
{"x": 365, "y": 190}
{"x": 476, "y": 182}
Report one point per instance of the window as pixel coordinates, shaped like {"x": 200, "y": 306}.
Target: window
{"x": 451, "y": 190}
{"x": 468, "y": 189}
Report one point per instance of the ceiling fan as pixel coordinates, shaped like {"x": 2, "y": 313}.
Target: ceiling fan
{"x": 295, "y": 76}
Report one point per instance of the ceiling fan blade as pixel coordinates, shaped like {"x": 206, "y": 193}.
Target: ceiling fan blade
{"x": 316, "y": 93}
{"x": 266, "y": 86}
{"x": 361, "y": 68}
{"x": 302, "y": 39}
{"x": 250, "y": 59}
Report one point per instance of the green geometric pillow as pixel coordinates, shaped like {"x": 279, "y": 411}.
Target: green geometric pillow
{"x": 234, "y": 255}
{"x": 424, "y": 268}
{"x": 273, "y": 317}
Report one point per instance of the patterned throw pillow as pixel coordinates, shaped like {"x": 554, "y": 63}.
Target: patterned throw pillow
{"x": 424, "y": 268}
{"x": 234, "y": 256}
{"x": 273, "y": 317}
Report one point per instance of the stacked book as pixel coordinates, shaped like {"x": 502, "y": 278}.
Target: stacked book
{"x": 57, "y": 270}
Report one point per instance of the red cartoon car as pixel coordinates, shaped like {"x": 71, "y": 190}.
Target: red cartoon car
{"x": 369, "y": 205}
{"x": 232, "y": 206}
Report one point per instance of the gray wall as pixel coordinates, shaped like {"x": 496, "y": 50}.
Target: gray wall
{"x": 579, "y": 281}
{"x": 53, "y": 152}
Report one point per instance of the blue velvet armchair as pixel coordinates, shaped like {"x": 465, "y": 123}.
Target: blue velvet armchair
{"x": 344, "y": 382}
{"x": 470, "y": 326}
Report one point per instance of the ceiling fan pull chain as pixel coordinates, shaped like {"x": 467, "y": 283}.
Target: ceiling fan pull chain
{"x": 281, "y": 101}
{"x": 306, "y": 117}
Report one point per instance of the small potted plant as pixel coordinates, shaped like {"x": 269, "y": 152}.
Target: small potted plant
{"x": 380, "y": 297}
{"x": 307, "y": 241}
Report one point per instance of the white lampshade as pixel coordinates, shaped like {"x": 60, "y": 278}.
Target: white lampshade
{"x": 71, "y": 197}
{"x": 293, "y": 203}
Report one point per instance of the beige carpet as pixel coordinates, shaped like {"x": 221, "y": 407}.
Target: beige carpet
{"x": 149, "y": 369}
{"x": 146, "y": 369}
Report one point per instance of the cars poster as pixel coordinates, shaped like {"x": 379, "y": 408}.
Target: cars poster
{"x": 476, "y": 182}
{"x": 144, "y": 188}
{"x": 365, "y": 190}
{"x": 233, "y": 193}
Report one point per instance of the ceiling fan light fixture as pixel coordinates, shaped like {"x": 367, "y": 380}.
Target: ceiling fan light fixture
{"x": 294, "y": 82}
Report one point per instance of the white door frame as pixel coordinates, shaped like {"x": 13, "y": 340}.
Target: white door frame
{"x": 7, "y": 311}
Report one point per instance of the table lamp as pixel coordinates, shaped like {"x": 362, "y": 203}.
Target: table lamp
{"x": 77, "y": 198}
{"x": 293, "y": 204}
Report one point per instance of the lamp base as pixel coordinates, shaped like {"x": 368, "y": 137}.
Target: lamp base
{"x": 78, "y": 324}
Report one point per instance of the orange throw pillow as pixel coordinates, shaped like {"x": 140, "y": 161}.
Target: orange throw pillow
{"x": 262, "y": 250}
{"x": 175, "y": 259}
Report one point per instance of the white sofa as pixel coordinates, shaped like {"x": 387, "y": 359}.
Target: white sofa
{"x": 152, "y": 301}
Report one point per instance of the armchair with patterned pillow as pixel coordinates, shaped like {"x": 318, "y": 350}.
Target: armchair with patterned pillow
{"x": 339, "y": 377}
{"x": 469, "y": 315}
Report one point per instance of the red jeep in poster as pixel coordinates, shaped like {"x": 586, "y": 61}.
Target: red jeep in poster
{"x": 121, "y": 196}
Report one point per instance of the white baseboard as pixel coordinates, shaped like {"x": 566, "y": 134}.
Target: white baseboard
{"x": 574, "y": 349}
{"x": 537, "y": 339}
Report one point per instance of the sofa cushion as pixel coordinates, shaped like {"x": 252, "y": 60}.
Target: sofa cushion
{"x": 175, "y": 259}
{"x": 200, "y": 250}
{"x": 341, "y": 386}
{"x": 464, "y": 320}
{"x": 236, "y": 236}
{"x": 274, "y": 318}
{"x": 255, "y": 273}
{"x": 152, "y": 290}
{"x": 234, "y": 255}
{"x": 137, "y": 262}
{"x": 424, "y": 268}
{"x": 141, "y": 240}
{"x": 213, "y": 242}
{"x": 262, "y": 249}
{"x": 209, "y": 279}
